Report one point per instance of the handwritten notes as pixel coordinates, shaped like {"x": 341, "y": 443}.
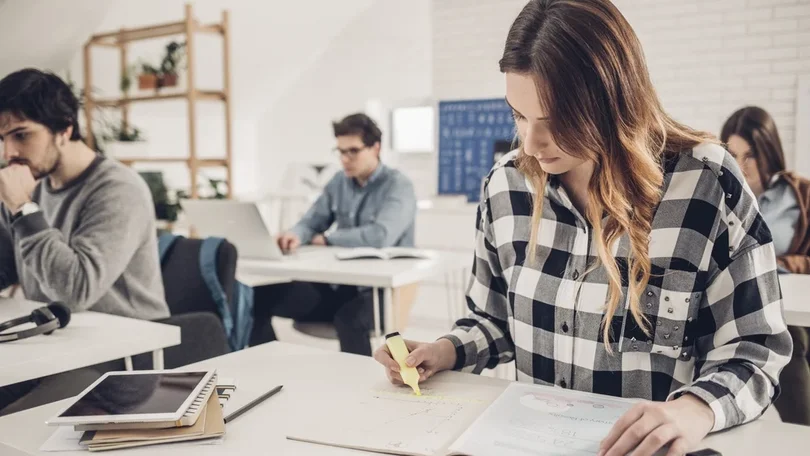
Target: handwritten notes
{"x": 531, "y": 419}
{"x": 395, "y": 421}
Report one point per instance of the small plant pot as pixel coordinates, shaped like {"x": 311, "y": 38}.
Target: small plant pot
{"x": 147, "y": 81}
{"x": 168, "y": 80}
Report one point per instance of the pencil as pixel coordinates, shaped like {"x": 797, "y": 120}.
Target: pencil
{"x": 253, "y": 403}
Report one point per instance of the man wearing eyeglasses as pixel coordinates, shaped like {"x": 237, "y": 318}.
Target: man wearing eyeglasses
{"x": 369, "y": 205}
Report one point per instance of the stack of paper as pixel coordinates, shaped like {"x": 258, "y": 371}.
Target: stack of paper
{"x": 209, "y": 425}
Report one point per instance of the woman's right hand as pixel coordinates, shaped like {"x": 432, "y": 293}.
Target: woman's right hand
{"x": 428, "y": 358}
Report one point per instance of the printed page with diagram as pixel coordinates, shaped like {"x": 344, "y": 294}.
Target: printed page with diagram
{"x": 541, "y": 420}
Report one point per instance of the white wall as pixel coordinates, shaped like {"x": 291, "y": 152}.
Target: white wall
{"x": 272, "y": 41}
{"x": 707, "y": 57}
{"x": 384, "y": 54}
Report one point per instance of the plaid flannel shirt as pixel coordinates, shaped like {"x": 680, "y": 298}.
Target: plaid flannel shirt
{"x": 713, "y": 301}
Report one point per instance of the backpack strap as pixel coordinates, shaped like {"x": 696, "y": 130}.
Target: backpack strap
{"x": 208, "y": 269}
{"x": 165, "y": 243}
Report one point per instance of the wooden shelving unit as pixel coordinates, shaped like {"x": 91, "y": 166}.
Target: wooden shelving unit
{"x": 188, "y": 27}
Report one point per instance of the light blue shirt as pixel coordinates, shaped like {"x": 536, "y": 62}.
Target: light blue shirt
{"x": 780, "y": 210}
{"x": 380, "y": 214}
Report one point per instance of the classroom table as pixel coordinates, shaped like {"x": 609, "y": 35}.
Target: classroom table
{"x": 796, "y": 298}
{"x": 320, "y": 265}
{"x": 308, "y": 375}
{"x": 89, "y": 338}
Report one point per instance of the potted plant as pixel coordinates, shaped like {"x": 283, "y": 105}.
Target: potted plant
{"x": 148, "y": 77}
{"x": 167, "y": 74}
{"x": 165, "y": 209}
{"x": 170, "y": 66}
{"x": 124, "y": 143}
{"x": 126, "y": 79}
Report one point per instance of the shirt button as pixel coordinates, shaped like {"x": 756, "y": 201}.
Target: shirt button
{"x": 649, "y": 305}
{"x": 650, "y": 293}
{"x": 676, "y": 327}
{"x": 575, "y": 275}
{"x": 670, "y": 310}
{"x": 565, "y": 327}
{"x": 563, "y": 383}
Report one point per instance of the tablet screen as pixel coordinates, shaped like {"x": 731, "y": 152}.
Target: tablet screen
{"x": 136, "y": 394}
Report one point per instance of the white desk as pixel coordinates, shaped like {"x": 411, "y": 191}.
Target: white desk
{"x": 309, "y": 375}
{"x": 90, "y": 338}
{"x": 321, "y": 266}
{"x": 796, "y": 298}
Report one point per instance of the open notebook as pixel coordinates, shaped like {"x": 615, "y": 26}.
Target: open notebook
{"x": 390, "y": 253}
{"x": 524, "y": 419}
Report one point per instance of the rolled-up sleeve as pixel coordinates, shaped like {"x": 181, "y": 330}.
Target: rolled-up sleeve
{"x": 318, "y": 218}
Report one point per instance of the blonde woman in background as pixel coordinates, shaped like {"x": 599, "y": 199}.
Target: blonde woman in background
{"x": 617, "y": 251}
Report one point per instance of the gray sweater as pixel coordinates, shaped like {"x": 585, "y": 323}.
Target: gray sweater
{"x": 92, "y": 246}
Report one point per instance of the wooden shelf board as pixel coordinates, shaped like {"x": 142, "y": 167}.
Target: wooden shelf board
{"x": 116, "y": 102}
{"x": 212, "y": 162}
{"x": 206, "y": 162}
{"x": 146, "y": 33}
{"x": 140, "y": 33}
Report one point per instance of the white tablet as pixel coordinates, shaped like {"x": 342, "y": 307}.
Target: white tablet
{"x": 134, "y": 397}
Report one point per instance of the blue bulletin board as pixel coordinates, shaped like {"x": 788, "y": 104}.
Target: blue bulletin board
{"x": 472, "y": 134}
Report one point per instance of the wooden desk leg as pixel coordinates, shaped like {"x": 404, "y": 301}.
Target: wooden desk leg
{"x": 128, "y": 363}
{"x": 157, "y": 359}
{"x": 377, "y": 325}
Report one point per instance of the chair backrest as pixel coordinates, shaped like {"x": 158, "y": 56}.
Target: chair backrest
{"x": 183, "y": 282}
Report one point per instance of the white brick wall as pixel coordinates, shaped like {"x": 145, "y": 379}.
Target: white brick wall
{"x": 707, "y": 58}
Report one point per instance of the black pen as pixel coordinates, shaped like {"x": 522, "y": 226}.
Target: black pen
{"x": 253, "y": 403}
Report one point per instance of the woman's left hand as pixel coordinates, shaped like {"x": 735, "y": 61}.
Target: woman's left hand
{"x": 650, "y": 426}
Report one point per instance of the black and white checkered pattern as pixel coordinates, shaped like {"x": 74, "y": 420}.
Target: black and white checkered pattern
{"x": 713, "y": 301}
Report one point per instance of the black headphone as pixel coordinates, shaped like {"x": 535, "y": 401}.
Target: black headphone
{"x": 48, "y": 319}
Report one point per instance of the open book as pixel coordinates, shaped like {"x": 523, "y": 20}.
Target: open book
{"x": 390, "y": 253}
{"x": 449, "y": 421}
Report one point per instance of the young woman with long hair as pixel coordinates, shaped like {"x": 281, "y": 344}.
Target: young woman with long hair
{"x": 617, "y": 251}
{"x": 784, "y": 201}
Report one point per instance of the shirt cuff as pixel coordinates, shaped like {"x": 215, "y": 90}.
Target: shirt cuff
{"x": 466, "y": 349}
{"x": 29, "y": 225}
{"x": 718, "y": 397}
{"x": 304, "y": 233}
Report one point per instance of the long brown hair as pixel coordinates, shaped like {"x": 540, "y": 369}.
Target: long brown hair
{"x": 594, "y": 86}
{"x": 757, "y": 128}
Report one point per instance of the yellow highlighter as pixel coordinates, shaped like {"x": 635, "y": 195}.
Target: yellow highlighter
{"x": 399, "y": 351}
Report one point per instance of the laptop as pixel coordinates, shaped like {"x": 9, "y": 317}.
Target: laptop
{"x": 239, "y": 222}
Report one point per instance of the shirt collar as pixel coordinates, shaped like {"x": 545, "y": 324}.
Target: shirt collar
{"x": 381, "y": 168}
{"x": 776, "y": 181}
